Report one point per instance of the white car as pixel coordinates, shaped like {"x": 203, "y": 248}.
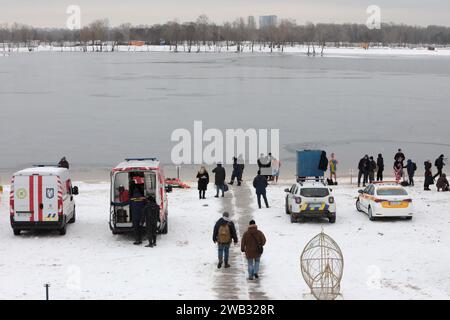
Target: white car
{"x": 310, "y": 200}
{"x": 385, "y": 200}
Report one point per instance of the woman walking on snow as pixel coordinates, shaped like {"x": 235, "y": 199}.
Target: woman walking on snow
{"x": 203, "y": 180}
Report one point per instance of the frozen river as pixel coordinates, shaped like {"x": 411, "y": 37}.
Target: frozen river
{"x": 97, "y": 109}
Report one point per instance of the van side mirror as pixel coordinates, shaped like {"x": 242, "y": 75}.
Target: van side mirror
{"x": 75, "y": 190}
{"x": 287, "y": 190}
{"x": 360, "y": 191}
{"x": 168, "y": 188}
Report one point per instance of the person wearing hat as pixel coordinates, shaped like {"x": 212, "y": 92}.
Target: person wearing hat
{"x": 252, "y": 245}
{"x": 151, "y": 214}
{"x": 136, "y": 208}
{"x": 63, "y": 163}
{"x": 439, "y": 163}
{"x": 224, "y": 233}
{"x": 219, "y": 179}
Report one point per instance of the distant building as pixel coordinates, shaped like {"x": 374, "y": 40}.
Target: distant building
{"x": 267, "y": 21}
{"x": 251, "y": 22}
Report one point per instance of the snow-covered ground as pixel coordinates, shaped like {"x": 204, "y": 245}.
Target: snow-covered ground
{"x": 390, "y": 259}
{"x": 296, "y": 49}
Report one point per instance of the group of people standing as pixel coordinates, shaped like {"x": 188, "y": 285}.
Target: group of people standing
{"x": 368, "y": 167}
{"x": 252, "y": 244}
{"x": 260, "y": 182}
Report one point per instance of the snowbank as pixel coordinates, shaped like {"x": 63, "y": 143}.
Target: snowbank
{"x": 389, "y": 259}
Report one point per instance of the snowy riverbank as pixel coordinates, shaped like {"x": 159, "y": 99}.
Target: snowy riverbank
{"x": 391, "y": 259}
{"x": 296, "y": 49}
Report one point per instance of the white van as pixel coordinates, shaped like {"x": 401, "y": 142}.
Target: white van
{"x": 42, "y": 197}
{"x": 147, "y": 174}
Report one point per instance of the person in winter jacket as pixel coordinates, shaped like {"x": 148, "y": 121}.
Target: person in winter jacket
{"x": 372, "y": 169}
{"x": 380, "y": 166}
{"x": 411, "y": 168}
{"x": 202, "y": 182}
{"x": 136, "y": 208}
{"x": 241, "y": 164}
{"x": 439, "y": 163}
{"x": 252, "y": 244}
{"x": 63, "y": 163}
{"x": 219, "y": 179}
{"x": 442, "y": 183}
{"x": 260, "y": 185}
{"x": 151, "y": 214}
{"x": 363, "y": 170}
{"x": 400, "y": 156}
{"x": 429, "y": 180}
{"x": 236, "y": 172}
{"x": 223, "y": 234}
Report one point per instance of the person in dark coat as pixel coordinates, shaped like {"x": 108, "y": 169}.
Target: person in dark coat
{"x": 439, "y": 163}
{"x": 323, "y": 162}
{"x": 429, "y": 180}
{"x": 363, "y": 170}
{"x": 202, "y": 182}
{"x": 241, "y": 164}
{"x": 219, "y": 179}
{"x": 380, "y": 165}
{"x": 137, "y": 203}
{"x": 400, "y": 157}
{"x": 372, "y": 169}
{"x": 236, "y": 174}
{"x": 411, "y": 168}
{"x": 252, "y": 244}
{"x": 151, "y": 214}
{"x": 442, "y": 183}
{"x": 223, "y": 234}
{"x": 260, "y": 185}
{"x": 63, "y": 163}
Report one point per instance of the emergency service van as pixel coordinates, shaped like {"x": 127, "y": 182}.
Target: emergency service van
{"x": 42, "y": 197}
{"x": 145, "y": 174}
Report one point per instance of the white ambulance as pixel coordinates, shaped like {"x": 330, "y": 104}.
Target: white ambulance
{"x": 147, "y": 175}
{"x": 42, "y": 197}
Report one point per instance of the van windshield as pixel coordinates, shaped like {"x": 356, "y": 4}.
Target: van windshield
{"x": 392, "y": 192}
{"x": 314, "y": 192}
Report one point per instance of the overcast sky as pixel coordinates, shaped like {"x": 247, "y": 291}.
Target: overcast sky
{"x": 52, "y": 13}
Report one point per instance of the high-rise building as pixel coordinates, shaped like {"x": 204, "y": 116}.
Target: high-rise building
{"x": 251, "y": 22}
{"x": 267, "y": 21}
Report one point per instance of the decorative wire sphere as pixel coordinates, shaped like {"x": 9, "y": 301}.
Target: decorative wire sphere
{"x": 322, "y": 265}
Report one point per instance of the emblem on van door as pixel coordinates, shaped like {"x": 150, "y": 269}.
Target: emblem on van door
{"x": 21, "y": 193}
{"x": 50, "y": 193}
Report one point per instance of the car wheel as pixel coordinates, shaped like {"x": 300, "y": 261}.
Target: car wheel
{"x": 166, "y": 226}
{"x": 358, "y": 206}
{"x": 332, "y": 219}
{"x": 63, "y": 230}
{"x": 370, "y": 213}
{"x": 16, "y": 232}
{"x": 72, "y": 220}
{"x": 293, "y": 219}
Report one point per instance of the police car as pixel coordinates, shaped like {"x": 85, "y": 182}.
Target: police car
{"x": 310, "y": 199}
{"x": 387, "y": 199}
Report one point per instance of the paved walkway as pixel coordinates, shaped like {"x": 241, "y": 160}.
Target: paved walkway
{"x": 232, "y": 283}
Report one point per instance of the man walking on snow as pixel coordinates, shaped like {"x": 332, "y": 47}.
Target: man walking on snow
{"x": 219, "y": 179}
{"x": 260, "y": 185}
{"x": 224, "y": 233}
{"x": 151, "y": 214}
{"x": 252, "y": 244}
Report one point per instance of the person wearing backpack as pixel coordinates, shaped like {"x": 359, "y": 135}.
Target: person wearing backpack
{"x": 224, "y": 233}
{"x": 439, "y": 164}
{"x": 252, "y": 244}
{"x": 411, "y": 168}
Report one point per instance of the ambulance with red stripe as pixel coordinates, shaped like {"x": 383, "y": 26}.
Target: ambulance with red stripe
{"x": 147, "y": 174}
{"x": 42, "y": 197}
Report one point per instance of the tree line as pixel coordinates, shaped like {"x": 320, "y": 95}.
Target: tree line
{"x": 205, "y": 32}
